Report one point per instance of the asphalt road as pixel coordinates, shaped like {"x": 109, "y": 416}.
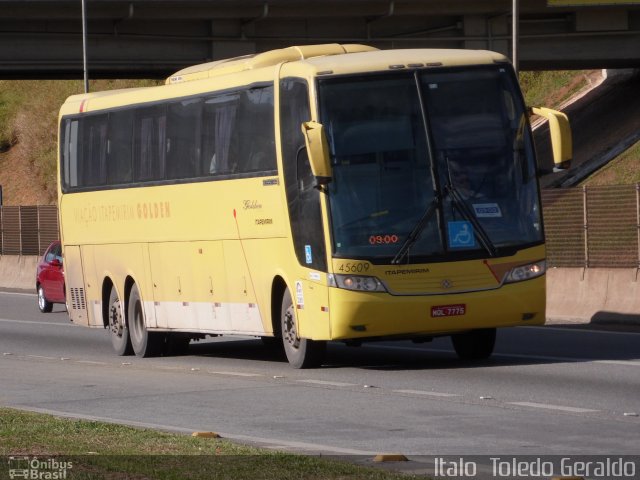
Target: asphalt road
{"x": 547, "y": 390}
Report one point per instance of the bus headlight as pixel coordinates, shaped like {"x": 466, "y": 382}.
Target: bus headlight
{"x": 526, "y": 272}
{"x": 360, "y": 283}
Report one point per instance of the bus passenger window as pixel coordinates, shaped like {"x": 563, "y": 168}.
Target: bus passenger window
{"x": 93, "y": 165}
{"x": 255, "y": 147}
{"x": 183, "y": 146}
{"x": 218, "y": 119}
{"x": 150, "y": 145}
{"x": 119, "y": 167}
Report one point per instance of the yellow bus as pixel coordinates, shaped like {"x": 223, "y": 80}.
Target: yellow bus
{"x": 312, "y": 194}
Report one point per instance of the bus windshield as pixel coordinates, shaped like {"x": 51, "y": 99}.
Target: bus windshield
{"x": 438, "y": 163}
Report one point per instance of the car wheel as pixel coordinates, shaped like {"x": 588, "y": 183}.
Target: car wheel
{"x": 44, "y": 305}
{"x": 144, "y": 343}
{"x": 301, "y": 352}
{"x": 118, "y": 330}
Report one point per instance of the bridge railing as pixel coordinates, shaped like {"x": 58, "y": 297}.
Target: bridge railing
{"x": 585, "y": 227}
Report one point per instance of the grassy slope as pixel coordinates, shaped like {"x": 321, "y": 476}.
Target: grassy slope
{"x": 28, "y": 134}
{"x": 28, "y": 129}
{"x": 106, "y": 451}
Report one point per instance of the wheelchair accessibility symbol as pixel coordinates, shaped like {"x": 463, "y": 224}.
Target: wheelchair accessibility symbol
{"x": 461, "y": 235}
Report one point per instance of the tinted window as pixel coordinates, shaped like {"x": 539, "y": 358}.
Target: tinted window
{"x": 219, "y": 118}
{"x": 150, "y": 143}
{"x": 120, "y": 167}
{"x": 303, "y": 199}
{"x": 183, "y": 138}
{"x": 93, "y": 167}
{"x": 254, "y": 131}
{"x": 196, "y": 137}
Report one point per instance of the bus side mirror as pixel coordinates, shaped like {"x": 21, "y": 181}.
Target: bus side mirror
{"x": 561, "y": 142}
{"x": 318, "y": 151}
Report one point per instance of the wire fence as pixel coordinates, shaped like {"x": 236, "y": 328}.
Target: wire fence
{"x": 27, "y": 230}
{"x": 593, "y": 226}
{"x": 585, "y": 227}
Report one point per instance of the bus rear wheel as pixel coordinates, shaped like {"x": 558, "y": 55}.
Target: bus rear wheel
{"x": 301, "y": 352}
{"x": 118, "y": 330}
{"x": 144, "y": 343}
{"x": 475, "y": 344}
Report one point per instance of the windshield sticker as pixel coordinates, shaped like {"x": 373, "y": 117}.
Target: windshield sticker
{"x": 461, "y": 234}
{"x": 487, "y": 210}
{"x": 308, "y": 257}
{"x": 383, "y": 239}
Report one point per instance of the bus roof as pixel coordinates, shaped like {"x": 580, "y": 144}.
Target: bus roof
{"x": 335, "y": 58}
{"x": 305, "y": 61}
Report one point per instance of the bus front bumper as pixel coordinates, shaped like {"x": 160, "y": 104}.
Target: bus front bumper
{"x": 369, "y": 315}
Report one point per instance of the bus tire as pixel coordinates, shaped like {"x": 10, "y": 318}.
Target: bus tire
{"x": 118, "y": 330}
{"x": 144, "y": 343}
{"x": 475, "y": 344}
{"x": 301, "y": 352}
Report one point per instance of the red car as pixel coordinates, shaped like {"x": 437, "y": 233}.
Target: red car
{"x": 50, "y": 278}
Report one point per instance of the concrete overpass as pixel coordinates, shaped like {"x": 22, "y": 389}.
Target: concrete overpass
{"x": 152, "y": 38}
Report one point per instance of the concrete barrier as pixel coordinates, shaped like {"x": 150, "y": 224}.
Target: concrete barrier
{"x": 18, "y": 271}
{"x": 574, "y": 295}
{"x": 593, "y": 295}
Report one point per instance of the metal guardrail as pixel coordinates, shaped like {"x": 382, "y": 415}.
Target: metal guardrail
{"x": 585, "y": 227}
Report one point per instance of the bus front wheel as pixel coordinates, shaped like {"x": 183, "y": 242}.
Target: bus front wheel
{"x": 301, "y": 352}
{"x": 475, "y": 344}
{"x": 144, "y": 343}
{"x": 118, "y": 330}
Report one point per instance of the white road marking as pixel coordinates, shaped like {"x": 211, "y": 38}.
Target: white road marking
{"x": 42, "y": 357}
{"x": 628, "y": 363}
{"x": 23, "y": 294}
{"x": 584, "y": 330}
{"x": 325, "y": 382}
{"x": 548, "y": 406}
{"x": 424, "y": 392}
{"x": 89, "y": 362}
{"x": 236, "y": 374}
{"x": 36, "y": 322}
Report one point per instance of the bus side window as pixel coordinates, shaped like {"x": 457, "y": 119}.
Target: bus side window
{"x": 70, "y": 153}
{"x": 255, "y": 133}
{"x": 119, "y": 168}
{"x": 302, "y": 199}
{"x": 93, "y": 164}
{"x": 150, "y": 150}
{"x": 183, "y": 138}
{"x": 218, "y": 119}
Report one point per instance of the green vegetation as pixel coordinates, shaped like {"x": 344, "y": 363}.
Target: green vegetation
{"x": 106, "y": 451}
{"x": 552, "y": 88}
{"x": 624, "y": 170}
{"x": 29, "y": 116}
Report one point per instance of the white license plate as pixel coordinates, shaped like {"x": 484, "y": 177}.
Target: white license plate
{"x": 449, "y": 310}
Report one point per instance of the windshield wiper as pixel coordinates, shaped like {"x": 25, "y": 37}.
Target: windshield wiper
{"x": 462, "y": 207}
{"x": 449, "y": 190}
{"x": 417, "y": 230}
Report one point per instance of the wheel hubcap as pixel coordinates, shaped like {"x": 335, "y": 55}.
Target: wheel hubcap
{"x": 115, "y": 319}
{"x": 41, "y": 298}
{"x": 290, "y": 334}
